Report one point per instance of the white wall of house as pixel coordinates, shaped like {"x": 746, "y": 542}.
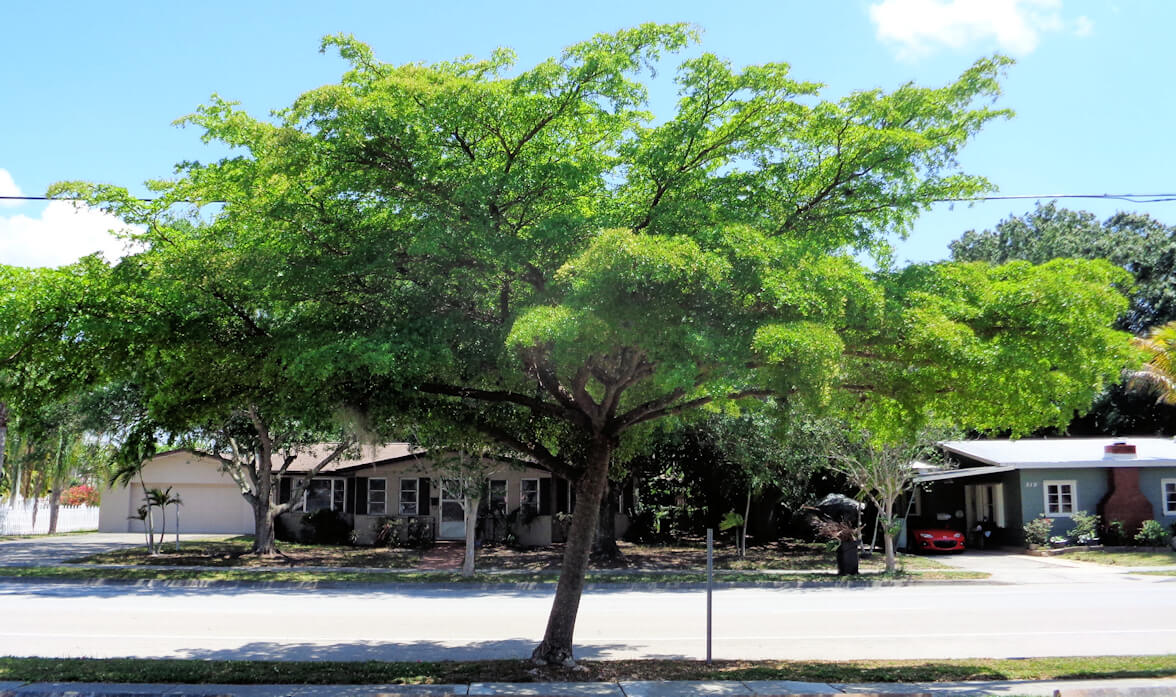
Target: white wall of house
{"x": 212, "y": 502}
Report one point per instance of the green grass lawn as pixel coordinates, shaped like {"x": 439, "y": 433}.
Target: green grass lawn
{"x": 233, "y": 553}
{"x": 1123, "y": 558}
{"x": 371, "y": 672}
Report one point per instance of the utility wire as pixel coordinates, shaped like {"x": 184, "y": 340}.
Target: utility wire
{"x": 1132, "y": 198}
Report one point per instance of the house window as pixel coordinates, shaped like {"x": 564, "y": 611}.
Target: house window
{"x": 324, "y": 493}
{"x": 1059, "y": 498}
{"x": 529, "y": 494}
{"x": 377, "y": 496}
{"x": 1169, "y": 492}
{"x": 497, "y": 496}
{"x": 408, "y": 496}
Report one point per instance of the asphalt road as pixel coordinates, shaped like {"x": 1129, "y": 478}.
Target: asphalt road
{"x": 1126, "y": 615}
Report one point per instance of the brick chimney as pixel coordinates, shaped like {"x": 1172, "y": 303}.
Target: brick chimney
{"x": 1124, "y": 501}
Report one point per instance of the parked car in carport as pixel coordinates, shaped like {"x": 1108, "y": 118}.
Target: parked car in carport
{"x": 937, "y": 540}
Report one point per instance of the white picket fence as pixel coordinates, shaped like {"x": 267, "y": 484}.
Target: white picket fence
{"x": 17, "y": 519}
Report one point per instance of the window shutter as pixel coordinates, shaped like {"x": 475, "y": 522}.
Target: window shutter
{"x": 423, "y": 497}
{"x": 561, "y": 496}
{"x": 361, "y": 496}
{"x": 283, "y": 490}
{"x": 545, "y": 496}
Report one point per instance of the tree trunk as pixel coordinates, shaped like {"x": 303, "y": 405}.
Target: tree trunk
{"x": 177, "y": 526}
{"x": 149, "y": 519}
{"x": 471, "y": 529}
{"x": 264, "y": 510}
{"x": 556, "y": 647}
{"x": 888, "y": 538}
{"x": 888, "y": 542}
{"x": 55, "y": 481}
{"x": 746, "y": 517}
{"x": 4, "y": 439}
{"x": 263, "y": 529}
{"x": 54, "y": 505}
{"x": 37, "y": 499}
{"x": 605, "y": 545}
{"x": 162, "y": 527}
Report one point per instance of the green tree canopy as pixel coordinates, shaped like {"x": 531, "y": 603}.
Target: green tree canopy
{"x": 1134, "y": 241}
{"x": 527, "y": 254}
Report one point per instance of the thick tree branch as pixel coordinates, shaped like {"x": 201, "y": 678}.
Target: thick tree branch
{"x": 502, "y": 397}
{"x": 645, "y": 413}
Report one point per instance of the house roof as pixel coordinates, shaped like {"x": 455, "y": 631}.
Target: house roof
{"x": 365, "y": 455}
{"x": 361, "y": 456}
{"x": 1056, "y": 453}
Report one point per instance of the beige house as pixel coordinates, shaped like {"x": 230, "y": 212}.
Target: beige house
{"x": 390, "y": 481}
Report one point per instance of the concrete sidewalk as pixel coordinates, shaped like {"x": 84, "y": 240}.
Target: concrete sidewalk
{"x": 750, "y": 688}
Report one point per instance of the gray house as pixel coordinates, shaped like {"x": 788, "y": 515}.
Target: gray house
{"x": 1002, "y": 484}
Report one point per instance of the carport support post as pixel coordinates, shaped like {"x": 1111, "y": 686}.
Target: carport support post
{"x": 710, "y": 582}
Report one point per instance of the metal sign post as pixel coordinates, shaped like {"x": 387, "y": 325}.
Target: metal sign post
{"x": 710, "y": 582}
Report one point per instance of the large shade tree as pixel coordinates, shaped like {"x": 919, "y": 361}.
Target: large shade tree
{"x": 527, "y": 254}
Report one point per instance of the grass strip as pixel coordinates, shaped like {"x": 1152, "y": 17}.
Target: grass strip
{"x": 126, "y": 670}
{"x": 76, "y": 573}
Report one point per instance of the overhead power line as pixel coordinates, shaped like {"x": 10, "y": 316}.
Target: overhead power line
{"x": 1132, "y": 198}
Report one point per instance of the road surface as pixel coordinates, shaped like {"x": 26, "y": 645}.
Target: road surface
{"x": 1125, "y": 615}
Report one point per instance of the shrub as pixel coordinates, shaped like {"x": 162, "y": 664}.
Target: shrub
{"x": 327, "y": 527}
{"x": 80, "y": 495}
{"x": 1037, "y": 530}
{"x": 1116, "y": 534}
{"x": 1152, "y": 534}
{"x": 1085, "y": 530}
{"x": 407, "y": 532}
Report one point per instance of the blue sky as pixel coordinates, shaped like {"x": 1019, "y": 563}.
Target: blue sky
{"x": 89, "y": 90}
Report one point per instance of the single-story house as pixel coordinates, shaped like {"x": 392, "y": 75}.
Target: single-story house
{"x": 1002, "y": 484}
{"x": 396, "y": 480}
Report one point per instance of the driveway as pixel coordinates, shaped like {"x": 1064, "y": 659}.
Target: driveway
{"x": 56, "y": 549}
{"x": 1009, "y": 565}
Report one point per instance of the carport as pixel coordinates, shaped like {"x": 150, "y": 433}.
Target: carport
{"x": 969, "y": 500}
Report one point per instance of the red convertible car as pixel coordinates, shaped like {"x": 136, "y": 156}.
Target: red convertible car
{"x": 933, "y": 540}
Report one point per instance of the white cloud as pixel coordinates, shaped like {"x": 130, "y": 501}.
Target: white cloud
{"x": 62, "y": 234}
{"x": 1083, "y": 26}
{"x": 8, "y": 187}
{"x": 918, "y": 27}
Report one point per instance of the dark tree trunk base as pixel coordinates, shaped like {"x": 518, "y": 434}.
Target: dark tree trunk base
{"x": 606, "y": 551}
{"x": 545, "y": 655}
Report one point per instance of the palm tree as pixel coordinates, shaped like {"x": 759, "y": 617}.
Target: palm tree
{"x": 161, "y": 499}
{"x": 1158, "y": 374}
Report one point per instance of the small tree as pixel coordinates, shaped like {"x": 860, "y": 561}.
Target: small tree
{"x": 883, "y": 473}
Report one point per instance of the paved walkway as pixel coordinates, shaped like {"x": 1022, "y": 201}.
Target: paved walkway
{"x": 751, "y": 688}
{"x": 1010, "y": 566}
{"x": 442, "y": 556}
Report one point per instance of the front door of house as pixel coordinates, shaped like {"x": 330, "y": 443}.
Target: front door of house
{"x": 984, "y": 503}
{"x": 452, "y": 525}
